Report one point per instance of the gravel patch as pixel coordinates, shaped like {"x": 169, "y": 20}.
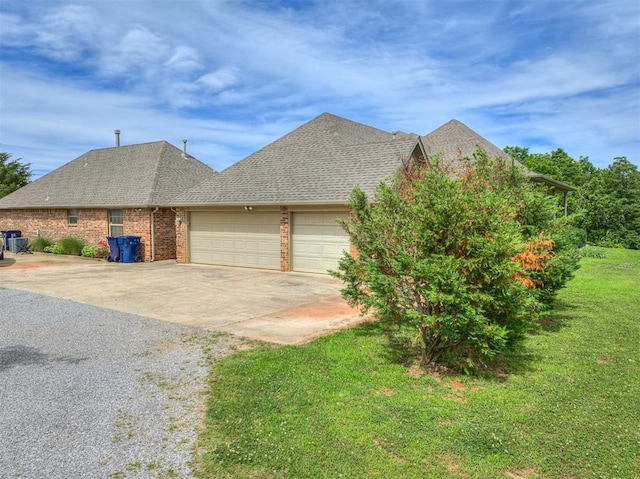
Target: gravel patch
{"x": 92, "y": 392}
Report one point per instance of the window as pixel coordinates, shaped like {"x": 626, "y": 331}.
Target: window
{"x": 116, "y": 227}
{"x": 72, "y": 217}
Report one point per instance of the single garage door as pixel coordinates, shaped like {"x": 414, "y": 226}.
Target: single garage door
{"x": 317, "y": 241}
{"x": 235, "y": 239}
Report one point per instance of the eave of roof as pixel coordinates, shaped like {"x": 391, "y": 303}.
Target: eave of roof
{"x": 558, "y": 185}
{"x": 130, "y": 176}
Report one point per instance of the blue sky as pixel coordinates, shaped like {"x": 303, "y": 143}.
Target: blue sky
{"x": 233, "y": 76}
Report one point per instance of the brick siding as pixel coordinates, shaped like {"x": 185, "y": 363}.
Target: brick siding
{"x": 284, "y": 238}
{"x": 93, "y": 227}
{"x": 181, "y": 235}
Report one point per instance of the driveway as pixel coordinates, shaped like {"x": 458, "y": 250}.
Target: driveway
{"x": 284, "y": 308}
{"x": 92, "y": 392}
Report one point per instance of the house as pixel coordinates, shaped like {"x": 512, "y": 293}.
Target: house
{"x": 277, "y": 208}
{"x": 109, "y": 192}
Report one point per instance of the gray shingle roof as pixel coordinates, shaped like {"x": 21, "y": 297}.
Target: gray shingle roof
{"x": 142, "y": 175}
{"x": 318, "y": 163}
{"x": 455, "y": 140}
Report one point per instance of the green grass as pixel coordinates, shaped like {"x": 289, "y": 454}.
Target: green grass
{"x": 567, "y": 406}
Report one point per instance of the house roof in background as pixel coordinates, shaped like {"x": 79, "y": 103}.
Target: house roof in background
{"x": 141, "y": 175}
{"x": 319, "y": 162}
{"x": 455, "y": 140}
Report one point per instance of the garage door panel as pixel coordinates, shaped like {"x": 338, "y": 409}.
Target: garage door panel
{"x": 317, "y": 241}
{"x": 235, "y": 239}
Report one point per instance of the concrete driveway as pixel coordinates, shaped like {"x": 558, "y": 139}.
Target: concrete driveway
{"x": 284, "y": 308}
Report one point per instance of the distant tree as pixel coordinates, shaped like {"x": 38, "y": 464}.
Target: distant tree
{"x": 607, "y": 203}
{"x": 13, "y": 174}
{"x": 611, "y": 205}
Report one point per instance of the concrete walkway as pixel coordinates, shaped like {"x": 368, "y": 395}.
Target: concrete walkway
{"x": 284, "y": 308}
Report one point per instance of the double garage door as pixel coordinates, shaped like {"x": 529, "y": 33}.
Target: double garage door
{"x": 235, "y": 239}
{"x": 253, "y": 240}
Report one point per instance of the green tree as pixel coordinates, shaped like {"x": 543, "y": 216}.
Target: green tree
{"x": 13, "y": 174}
{"x": 452, "y": 256}
{"x": 559, "y": 166}
{"x": 611, "y": 205}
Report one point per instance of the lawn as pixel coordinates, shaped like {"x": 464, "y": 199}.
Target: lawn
{"x": 348, "y": 405}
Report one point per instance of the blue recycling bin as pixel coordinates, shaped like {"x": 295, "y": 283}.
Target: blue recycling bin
{"x": 114, "y": 249}
{"x": 8, "y": 234}
{"x": 128, "y": 248}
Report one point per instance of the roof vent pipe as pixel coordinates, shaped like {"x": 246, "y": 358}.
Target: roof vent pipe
{"x": 184, "y": 146}
{"x": 395, "y": 134}
{"x": 117, "y": 132}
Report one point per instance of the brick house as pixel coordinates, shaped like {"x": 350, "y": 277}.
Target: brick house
{"x": 109, "y": 192}
{"x": 277, "y": 208}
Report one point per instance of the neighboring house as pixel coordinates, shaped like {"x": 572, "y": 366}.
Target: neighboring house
{"x": 109, "y": 192}
{"x": 277, "y": 208}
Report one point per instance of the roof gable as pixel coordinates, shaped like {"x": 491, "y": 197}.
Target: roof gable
{"x": 318, "y": 162}
{"x": 455, "y": 141}
{"x": 147, "y": 174}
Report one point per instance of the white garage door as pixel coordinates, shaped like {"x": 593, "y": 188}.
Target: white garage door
{"x": 317, "y": 241}
{"x": 235, "y": 239}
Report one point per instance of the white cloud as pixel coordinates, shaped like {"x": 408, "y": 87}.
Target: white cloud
{"x": 219, "y": 80}
{"x": 548, "y": 73}
{"x": 140, "y": 51}
{"x": 184, "y": 59}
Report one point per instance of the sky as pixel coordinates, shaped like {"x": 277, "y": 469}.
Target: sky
{"x": 233, "y": 76}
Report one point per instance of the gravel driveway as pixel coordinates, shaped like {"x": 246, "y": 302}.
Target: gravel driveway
{"x": 91, "y": 392}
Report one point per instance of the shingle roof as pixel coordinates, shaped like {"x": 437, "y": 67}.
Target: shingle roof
{"x": 455, "y": 140}
{"x": 320, "y": 162}
{"x": 142, "y": 175}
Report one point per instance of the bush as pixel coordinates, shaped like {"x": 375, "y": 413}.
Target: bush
{"x": 89, "y": 251}
{"x": 40, "y": 243}
{"x": 70, "y": 245}
{"x": 100, "y": 250}
{"x": 466, "y": 259}
{"x": 54, "y": 249}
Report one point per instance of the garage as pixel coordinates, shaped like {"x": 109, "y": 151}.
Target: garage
{"x": 249, "y": 239}
{"x": 317, "y": 241}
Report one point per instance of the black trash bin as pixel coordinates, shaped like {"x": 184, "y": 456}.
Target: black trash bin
{"x": 114, "y": 249}
{"x": 129, "y": 248}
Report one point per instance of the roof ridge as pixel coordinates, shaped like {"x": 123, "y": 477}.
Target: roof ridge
{"x": 156, "y": 174}
{"x": 126, "y": 146}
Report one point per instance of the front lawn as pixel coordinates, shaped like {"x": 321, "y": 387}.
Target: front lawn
{"x": 346, "y": 406}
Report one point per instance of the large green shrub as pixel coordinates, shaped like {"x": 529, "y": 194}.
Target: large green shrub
{"x": 70, "y": 245}
{"x": 40, "y": 243}
{"x": 456, "y": 254}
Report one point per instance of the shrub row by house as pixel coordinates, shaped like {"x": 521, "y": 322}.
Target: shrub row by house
{"x": 70, "y": 245}
{"x": 467, "y": 259}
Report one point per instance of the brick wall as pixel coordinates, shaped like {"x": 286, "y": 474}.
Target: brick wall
{"x": 53, "y": 224}
{"x": 93, "y": 227}
{"x": 165, "y": 234}
{"x": 284, "y": 238}
{"x": 180, "y": 222}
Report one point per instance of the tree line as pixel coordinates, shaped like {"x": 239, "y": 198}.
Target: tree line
{"x": 606, "y": 206}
